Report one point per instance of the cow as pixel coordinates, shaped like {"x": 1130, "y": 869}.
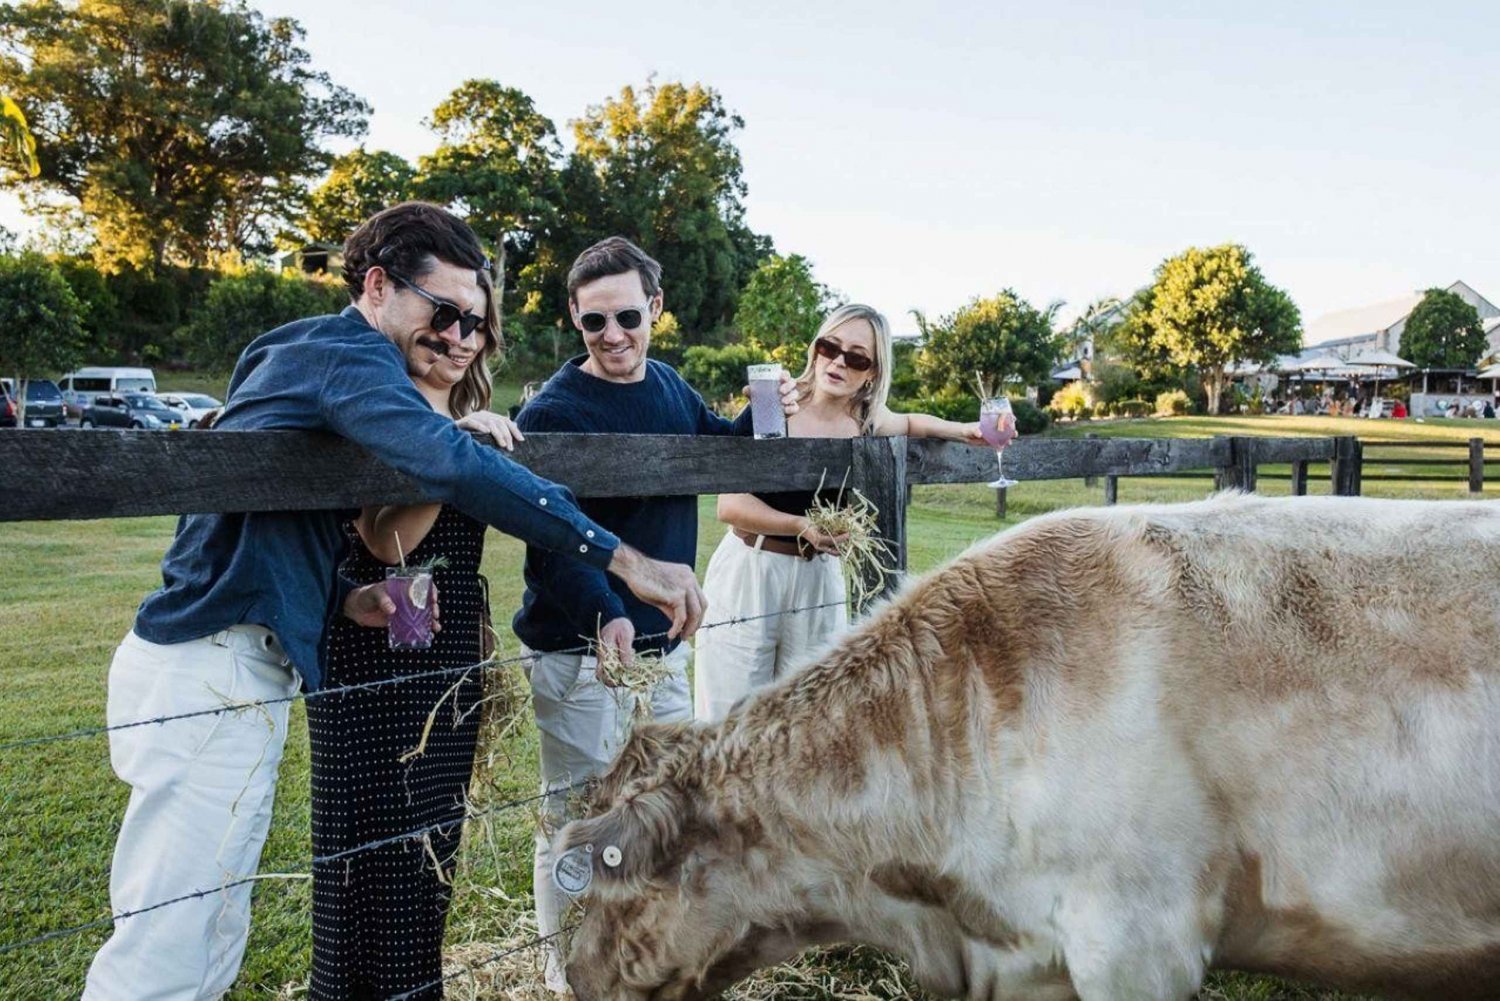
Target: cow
{"x": 1094, "y": 757}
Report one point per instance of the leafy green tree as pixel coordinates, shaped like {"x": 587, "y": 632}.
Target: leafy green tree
{"x": 668, "y": 175}
{"x": 240, "y": 307}
{"x": 16, "y": 140}
{"x": 1209, "y": 307}
{"x": 1443, "y": 331}
{"x": 718, "y": 373}
{"x": 41, "y": 320}
{"x": 781, "y": 307}
{"x": 182, "y": 128}
{"x": 359, "y": 184}
{"x": 1002, "y": 338}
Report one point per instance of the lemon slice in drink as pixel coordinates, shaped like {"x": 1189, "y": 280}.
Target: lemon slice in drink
{"x": 418, "y": 590}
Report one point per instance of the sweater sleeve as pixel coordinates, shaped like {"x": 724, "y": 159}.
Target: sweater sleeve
{"x": 580, "y": 590}
{"x": 367, "y": 397}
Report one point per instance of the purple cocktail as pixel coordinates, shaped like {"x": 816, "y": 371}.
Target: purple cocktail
{"x": 410, "y": 590}
{"x": 766, "y": 415}
{"x": 997, "y": 425}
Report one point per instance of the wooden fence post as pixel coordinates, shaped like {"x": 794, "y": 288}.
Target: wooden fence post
{"x": 1299, "y": 477}
{"x": 1476, "y": 465}
{"x": 878, "y": 471}
{"x": 1091, "y": 481}
{"x": 1239, "y": 472}
{"x": 1111, "y": 489}
{"x": 1000, "y": 503}
{"x": 1348, "y": 459}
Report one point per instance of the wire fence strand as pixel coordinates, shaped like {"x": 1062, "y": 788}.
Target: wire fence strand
{"x": 469, "y": 968}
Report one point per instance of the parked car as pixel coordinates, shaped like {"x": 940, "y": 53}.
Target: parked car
{"x": 44, "y": 404}
{"x": 130, "y": 410}
{"x": 79, "y": 387}
{"x": 192, "y": 406}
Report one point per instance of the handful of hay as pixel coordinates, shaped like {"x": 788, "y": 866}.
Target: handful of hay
{"x": 636, "y": 677}
{"x": 861, "y": 553}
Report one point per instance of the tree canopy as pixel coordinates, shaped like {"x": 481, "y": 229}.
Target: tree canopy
{"x": 1209, "y": 307}
{"x": 181, "y": 128}
{"x": 1000, "y": 338}
{"x": 1443, "y": 331}
{"x": 781, "y": 307}
{"x": 359, "y": 184}
{"x": 41, "y": 320}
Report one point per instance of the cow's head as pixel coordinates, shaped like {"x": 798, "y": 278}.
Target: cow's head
{"x": 685, "y": 898}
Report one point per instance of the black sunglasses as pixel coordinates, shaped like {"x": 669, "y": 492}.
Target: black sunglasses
{"x": 628, "y": 319}
{"x": 856, "y": 360}
{"x": 444, "y": 313}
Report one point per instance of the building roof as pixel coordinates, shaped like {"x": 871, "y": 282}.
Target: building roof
{"x": 1364, "y": 321}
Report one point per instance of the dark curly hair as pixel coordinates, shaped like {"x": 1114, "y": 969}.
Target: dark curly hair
{"x": 408, "y": 238}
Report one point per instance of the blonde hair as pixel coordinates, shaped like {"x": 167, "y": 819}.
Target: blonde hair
{"x": 473, "y": 391}
{"x": 866, "y": 405}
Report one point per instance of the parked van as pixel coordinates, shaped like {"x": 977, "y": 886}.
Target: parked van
{"x": 79, "y": 388}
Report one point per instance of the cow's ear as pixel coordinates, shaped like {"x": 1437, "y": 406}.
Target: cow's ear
{"x": 639, "y": 836}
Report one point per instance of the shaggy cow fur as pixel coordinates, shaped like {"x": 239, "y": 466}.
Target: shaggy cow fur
{"x": 1092, "y": 758}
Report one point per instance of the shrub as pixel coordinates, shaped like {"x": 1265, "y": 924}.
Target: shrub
{"x": 1104, "y": 409}
{"x": 1030, "y": 419}
{"x": 1070, "y": 401}
{"x": 1173, "y": 403}
{"x": 950, "y": 405}
{"x": 718, "y": 374}
{"x": 240, "y": 307}
{"x": 1133, "y": 408}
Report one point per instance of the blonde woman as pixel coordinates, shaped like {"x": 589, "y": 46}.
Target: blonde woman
{"x": 379, "y": 914}
{"x": 773, "y": 558}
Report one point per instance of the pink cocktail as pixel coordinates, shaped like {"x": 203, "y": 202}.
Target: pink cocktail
{"x": 997, "y": 425}
{"x": 410, "y": 590}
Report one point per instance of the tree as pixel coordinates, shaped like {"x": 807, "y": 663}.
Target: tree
{"x": 16, "y": 139}
{"x": 181, "y": 128}
{"x": 1443, "y": 331}
{"x": 781, "y": 307}
{"x": 240, "y": 307}
{"x": 359, "y": 184}
{"x": 668, "y": 175}
{"x": 1210, "y": 307}
{"x": 41, "y": 321}
{"x": 1002, "y": 338}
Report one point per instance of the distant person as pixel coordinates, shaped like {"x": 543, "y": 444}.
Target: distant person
{"x": 1398, "y": 409}
{"x": 246, "y": 599}
{"x": 1489, "y": 409}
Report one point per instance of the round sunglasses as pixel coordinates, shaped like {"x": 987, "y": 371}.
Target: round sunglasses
{"x": 594, "y": 322}
{"x": 857, "y": 361}
{"x": 444, "y": 313}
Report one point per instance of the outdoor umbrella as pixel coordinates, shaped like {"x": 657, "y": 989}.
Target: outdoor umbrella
{"x": 1378, "y": 360}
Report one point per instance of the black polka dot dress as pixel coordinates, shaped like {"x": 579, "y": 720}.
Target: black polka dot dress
{"x": 378, "y": 914}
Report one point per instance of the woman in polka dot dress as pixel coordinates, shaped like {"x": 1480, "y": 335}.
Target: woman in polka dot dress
{"x": 379, "y": 913}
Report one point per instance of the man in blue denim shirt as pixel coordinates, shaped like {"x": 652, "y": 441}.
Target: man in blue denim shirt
{"x": 245, "y": 597}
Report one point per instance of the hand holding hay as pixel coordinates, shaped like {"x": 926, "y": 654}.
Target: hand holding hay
{"x": 851, "y": 522}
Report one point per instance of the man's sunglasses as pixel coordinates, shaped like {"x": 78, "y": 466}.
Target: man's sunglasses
{"x": 444, "y": 313}
{"x": 627, "y": 319}
{"x": 857, "y": 361}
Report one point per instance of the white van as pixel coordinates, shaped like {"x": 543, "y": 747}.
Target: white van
{"x": 79, "y": 388}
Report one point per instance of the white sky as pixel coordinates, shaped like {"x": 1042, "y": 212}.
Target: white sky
{"x": 921, "y": 154}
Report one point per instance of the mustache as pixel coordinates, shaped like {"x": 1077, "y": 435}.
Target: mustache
{"x": 434, "y": 345}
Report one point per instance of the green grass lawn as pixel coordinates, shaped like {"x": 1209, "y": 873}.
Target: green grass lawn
{"x": 73, "y": 596}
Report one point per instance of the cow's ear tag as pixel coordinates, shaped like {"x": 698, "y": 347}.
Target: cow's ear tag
{"x": 612, "y": 857}
{"x": 574, "y": 870}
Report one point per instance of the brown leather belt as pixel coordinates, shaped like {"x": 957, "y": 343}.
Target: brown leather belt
{"x": 777, "y": 544}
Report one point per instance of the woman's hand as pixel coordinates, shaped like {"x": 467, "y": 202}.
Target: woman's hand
{"x": 372, "y": 606}
{"x": 969, "y": 435}
{"x": 821, "y": 540}
{"x": 497, "y": 426}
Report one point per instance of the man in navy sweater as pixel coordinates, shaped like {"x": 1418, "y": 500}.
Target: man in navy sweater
{"x": 614, "y": 295}
{"x": 245, "y": 598}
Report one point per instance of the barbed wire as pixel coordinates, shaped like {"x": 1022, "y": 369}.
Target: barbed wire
{"x": 320, "y": 860}
{"x": 376, "y": 683}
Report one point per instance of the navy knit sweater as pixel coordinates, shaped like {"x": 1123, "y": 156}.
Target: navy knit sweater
{"x": 566, "y": 601}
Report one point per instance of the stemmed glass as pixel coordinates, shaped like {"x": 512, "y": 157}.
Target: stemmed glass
{"x": 997, "y": 425}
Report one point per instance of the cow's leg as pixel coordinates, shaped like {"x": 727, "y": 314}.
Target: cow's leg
{"x": 1132, "y": 950}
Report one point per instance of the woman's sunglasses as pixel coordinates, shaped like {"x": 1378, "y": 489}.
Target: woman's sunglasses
{"x": 627, "y": 319}
{"x": 857, "y": 361}
{"x": 444, "y": 313}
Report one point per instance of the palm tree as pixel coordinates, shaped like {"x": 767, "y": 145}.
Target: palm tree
{"x": 18, "y": 142}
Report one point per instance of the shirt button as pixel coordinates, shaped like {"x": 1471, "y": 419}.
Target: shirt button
{"x": 543, "y": 502}
{"x": 589, "y": 533}
{"x": 583, "y": 549}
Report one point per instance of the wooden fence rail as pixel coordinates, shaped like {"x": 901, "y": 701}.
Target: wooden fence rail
{"x": 54, "y": 475}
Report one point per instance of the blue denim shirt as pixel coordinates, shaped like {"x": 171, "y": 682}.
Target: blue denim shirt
{"x": 278, "y": 569}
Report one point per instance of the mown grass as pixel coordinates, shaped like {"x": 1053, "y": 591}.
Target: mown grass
{"x": 71, "y": 593}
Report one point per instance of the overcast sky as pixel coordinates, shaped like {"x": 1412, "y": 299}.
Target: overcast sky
{"x": 924, "y": 153}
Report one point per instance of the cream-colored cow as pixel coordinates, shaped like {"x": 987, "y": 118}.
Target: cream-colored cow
{"x": 1095, "y": 757}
